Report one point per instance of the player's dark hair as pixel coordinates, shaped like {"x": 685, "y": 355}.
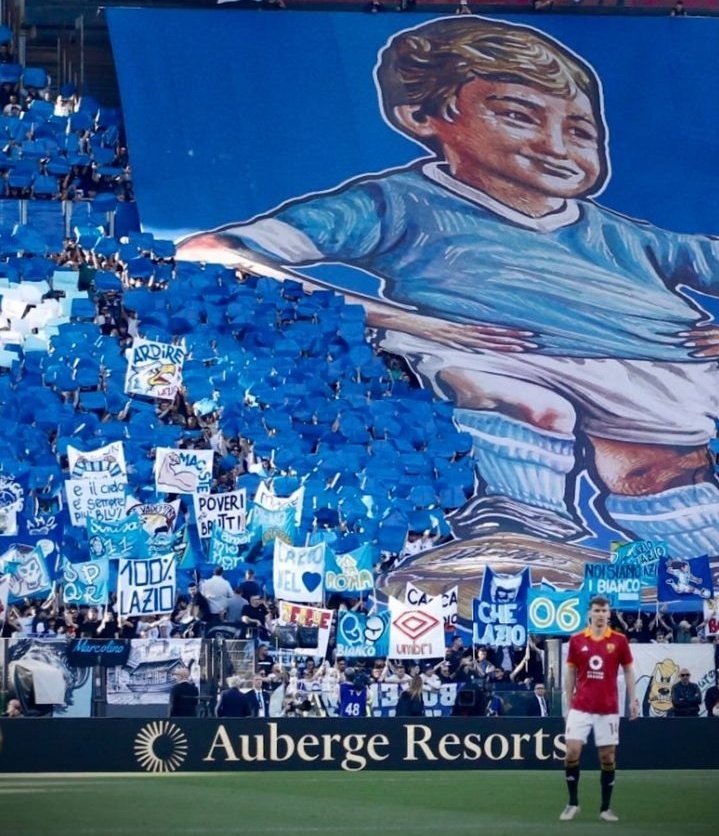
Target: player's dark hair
{"x": 598, "y": 601}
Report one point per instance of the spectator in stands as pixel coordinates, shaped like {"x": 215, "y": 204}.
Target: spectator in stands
{"x": 107, "y": 628}
{"x": 444, "y": 672}
{"x": 89, "y": 623}
{"x": 396, "y": 673}
{"x": 430, "y": 679}
{"x": 678, "y": 9}
{"x": 250, "y": 585}
{"x": 218, "y": 593}
{"x": 232, "y": 701}
{"x": 463, "y": 8}
{"x": 235, "y": 606}
{"x": 374, "y": 6}
{"x": 255, "y": 616}
{"x": 686, "y": 696}
{"x": 183, "y": 695}
{"x": 537, "y": 705}
{"x": 264, "y": 661}
{"x": 455, "y": 653}
{"x": 200, "y": 612}
{"x": 13, "y": 106}
{"x": 411, "y": 700}
{"x": 530, "y": 668}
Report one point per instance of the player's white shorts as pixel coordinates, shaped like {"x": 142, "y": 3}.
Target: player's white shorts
{"x": 640, "y": 401}
{"x": 604, "y": 726}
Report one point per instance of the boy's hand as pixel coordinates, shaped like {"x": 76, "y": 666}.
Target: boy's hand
{"x": 705, "y": 341}
{"x": 464, "y": 337}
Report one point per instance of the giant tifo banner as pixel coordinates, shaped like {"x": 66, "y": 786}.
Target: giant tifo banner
{"x": 523, "y": 206}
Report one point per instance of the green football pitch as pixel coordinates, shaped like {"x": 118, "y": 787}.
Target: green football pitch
{"x": 351, "y": 804}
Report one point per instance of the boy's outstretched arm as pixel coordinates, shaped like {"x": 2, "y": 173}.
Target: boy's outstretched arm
{"x": 213, "y": 248}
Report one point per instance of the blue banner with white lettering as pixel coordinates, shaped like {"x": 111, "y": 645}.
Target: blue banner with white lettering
{"x": 620, "y": 584}
{"x": 499, "y": 615}
{"x": 86, "y": 583}
{"x": 361, "y": 635}
{"x": 114, "y": 539}
{"x": 643, "y": 553}
{"x": 349, "y": 573}
{"x": 555, "y": 612}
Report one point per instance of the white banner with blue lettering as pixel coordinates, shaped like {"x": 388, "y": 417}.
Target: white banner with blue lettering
{"x": 146, "y": 587}
{"x": 154, "y": 369}
{"x": 499, "y": 615}
{"x": 298, "y": 572}
{"x": 100, "y": 498}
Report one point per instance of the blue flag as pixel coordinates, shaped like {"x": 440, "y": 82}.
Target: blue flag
{"x": 114, "y": 539}
{"x": 643, "y": 553}
{"x": 556, "y": 612}
{"x": 362, "y": 635}
{"x": 86, "y": 583}
{"x": 27, "y": 565}
{"x": 499, "y": 615}
{"x": 350, "y": 572}
{"x": 226, "y": 547}
{"x": 685, "y": 580}
{"x": 270, "y": 524}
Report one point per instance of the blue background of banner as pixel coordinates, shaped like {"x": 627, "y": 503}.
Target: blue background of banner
{"x": 229, "y": 114}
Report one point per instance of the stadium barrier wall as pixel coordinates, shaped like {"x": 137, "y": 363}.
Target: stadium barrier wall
{"x": 171, "y": 745}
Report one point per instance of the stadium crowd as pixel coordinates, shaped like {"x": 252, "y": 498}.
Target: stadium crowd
{"x": 279, "y": 383}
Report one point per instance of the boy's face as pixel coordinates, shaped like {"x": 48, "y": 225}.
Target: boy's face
{"x": 524, "y": 147}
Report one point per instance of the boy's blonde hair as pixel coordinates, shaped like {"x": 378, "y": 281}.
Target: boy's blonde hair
{"x": 427, "y": 66}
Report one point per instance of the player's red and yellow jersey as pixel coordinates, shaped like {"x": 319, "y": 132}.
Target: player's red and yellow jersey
{"x": 597, "y": 662}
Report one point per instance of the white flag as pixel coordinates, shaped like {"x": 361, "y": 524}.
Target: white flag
{"x": 298, "y": 572}
{"x": 416, "y": 632}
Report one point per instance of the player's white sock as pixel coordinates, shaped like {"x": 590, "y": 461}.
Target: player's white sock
{"x": 518, "y": 460}
{"x": 686, "y": 518}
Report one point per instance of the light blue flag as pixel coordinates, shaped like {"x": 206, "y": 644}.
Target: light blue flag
{"x": 225, "y": 547}
{"x": 86, "y": 583}
{"x": 125, "y": 538}
{"x": 685, "y": 580}
{"x": 269, "y": 524}
{"x": 363, "y": 635}
{"x": 350, "y": 572}
{"x": 28, "y": 570}
{"x": 643, "y": 553}
{"x": 555, "y": 612}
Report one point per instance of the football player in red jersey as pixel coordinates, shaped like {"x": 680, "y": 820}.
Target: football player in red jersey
{"x": 590, "y": 686}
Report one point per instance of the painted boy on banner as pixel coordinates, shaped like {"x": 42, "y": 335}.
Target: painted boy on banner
{"x": 552, "y": 323}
